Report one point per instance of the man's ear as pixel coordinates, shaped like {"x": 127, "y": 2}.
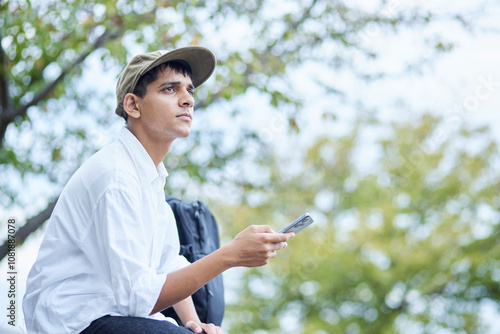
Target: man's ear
{"x": 130, "y": 104}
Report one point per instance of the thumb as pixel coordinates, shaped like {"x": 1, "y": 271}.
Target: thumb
{"x": 192, "y": 325}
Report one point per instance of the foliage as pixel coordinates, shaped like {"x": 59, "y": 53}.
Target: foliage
{"x": 409, "y": 247}
{"x": 51, "y": 120}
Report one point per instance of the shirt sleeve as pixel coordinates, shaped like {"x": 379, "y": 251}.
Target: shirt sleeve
{"x": 178, "y": 262}
{"x": 123, "y": 240}
{"x": 168, "y": 262}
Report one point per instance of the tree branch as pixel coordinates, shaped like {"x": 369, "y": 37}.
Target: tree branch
{"x": 5, "y": 105}
{"x": 4, "y": 82}
{"x": 31, "y": 225}
{"x": 8, "y": 116}
{"x": 48, "y": 88}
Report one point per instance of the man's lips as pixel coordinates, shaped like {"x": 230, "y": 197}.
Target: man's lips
{"x": 186, "y": 116}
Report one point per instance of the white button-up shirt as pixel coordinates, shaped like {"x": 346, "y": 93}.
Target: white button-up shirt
{"x": 109, "y": 244}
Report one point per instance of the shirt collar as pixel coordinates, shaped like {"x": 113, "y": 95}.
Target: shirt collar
{"x": 146, "y": 169}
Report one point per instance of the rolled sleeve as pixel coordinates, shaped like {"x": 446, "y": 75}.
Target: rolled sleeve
{"x": 179, "y": 263}
{"x": 124, "y": 253}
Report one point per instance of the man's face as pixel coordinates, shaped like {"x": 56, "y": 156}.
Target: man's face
{"x": 167, "y": 108}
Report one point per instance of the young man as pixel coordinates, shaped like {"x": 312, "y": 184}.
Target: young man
{"x": 109, "y": 260}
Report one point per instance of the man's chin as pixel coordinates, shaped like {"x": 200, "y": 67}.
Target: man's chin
{"x": 183, "y": 134}
{"x": 186, "y": 134}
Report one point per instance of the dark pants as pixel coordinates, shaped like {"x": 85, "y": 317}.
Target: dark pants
{"x": 132, "y": 325}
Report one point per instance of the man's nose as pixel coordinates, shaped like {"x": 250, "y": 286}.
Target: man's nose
{"x": 186, "y": 99}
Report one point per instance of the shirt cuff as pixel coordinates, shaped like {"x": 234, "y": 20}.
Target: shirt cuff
{"x": 147, "y": 291}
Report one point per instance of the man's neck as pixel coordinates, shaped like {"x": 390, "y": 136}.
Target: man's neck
{"x": 157, "y": 149}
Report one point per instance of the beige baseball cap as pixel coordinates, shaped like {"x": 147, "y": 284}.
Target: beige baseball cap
{"x": 201, "y": 60}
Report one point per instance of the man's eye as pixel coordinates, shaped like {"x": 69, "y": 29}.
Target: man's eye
{"x": 168, "y": 89}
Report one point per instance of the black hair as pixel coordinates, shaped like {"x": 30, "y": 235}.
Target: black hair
{"x": 179, "y": 66}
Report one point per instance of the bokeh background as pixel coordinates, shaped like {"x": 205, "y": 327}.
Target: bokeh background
{"x": 380, "y": 118}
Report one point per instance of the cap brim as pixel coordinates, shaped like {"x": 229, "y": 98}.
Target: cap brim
{"x": 201, "y": 60}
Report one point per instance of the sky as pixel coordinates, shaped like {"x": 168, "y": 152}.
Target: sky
{"x": 462, "y": 86}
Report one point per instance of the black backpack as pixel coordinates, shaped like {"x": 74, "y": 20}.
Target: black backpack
{"x": 199, "y": 236}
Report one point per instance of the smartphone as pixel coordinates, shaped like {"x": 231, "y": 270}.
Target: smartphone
{"x": 298, "y": 224}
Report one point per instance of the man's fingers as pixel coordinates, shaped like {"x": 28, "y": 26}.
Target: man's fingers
{"x": 261, "y": 229}
{"x": 270, "y": 234}
{"x": 279, "y": 237}
{"x": 193, "y": 326}
{"x": 211, "y": 329}
{"x": 277, "y": 246}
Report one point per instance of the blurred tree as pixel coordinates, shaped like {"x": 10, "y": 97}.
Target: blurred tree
{"x": 49, "y": 120}
{"x": 412, "y": 246}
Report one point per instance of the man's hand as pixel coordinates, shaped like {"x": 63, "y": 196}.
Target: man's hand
{"x": 255, "y": 245}
{"x": 200, "y": 327}
{"x": 252, "y": 247}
